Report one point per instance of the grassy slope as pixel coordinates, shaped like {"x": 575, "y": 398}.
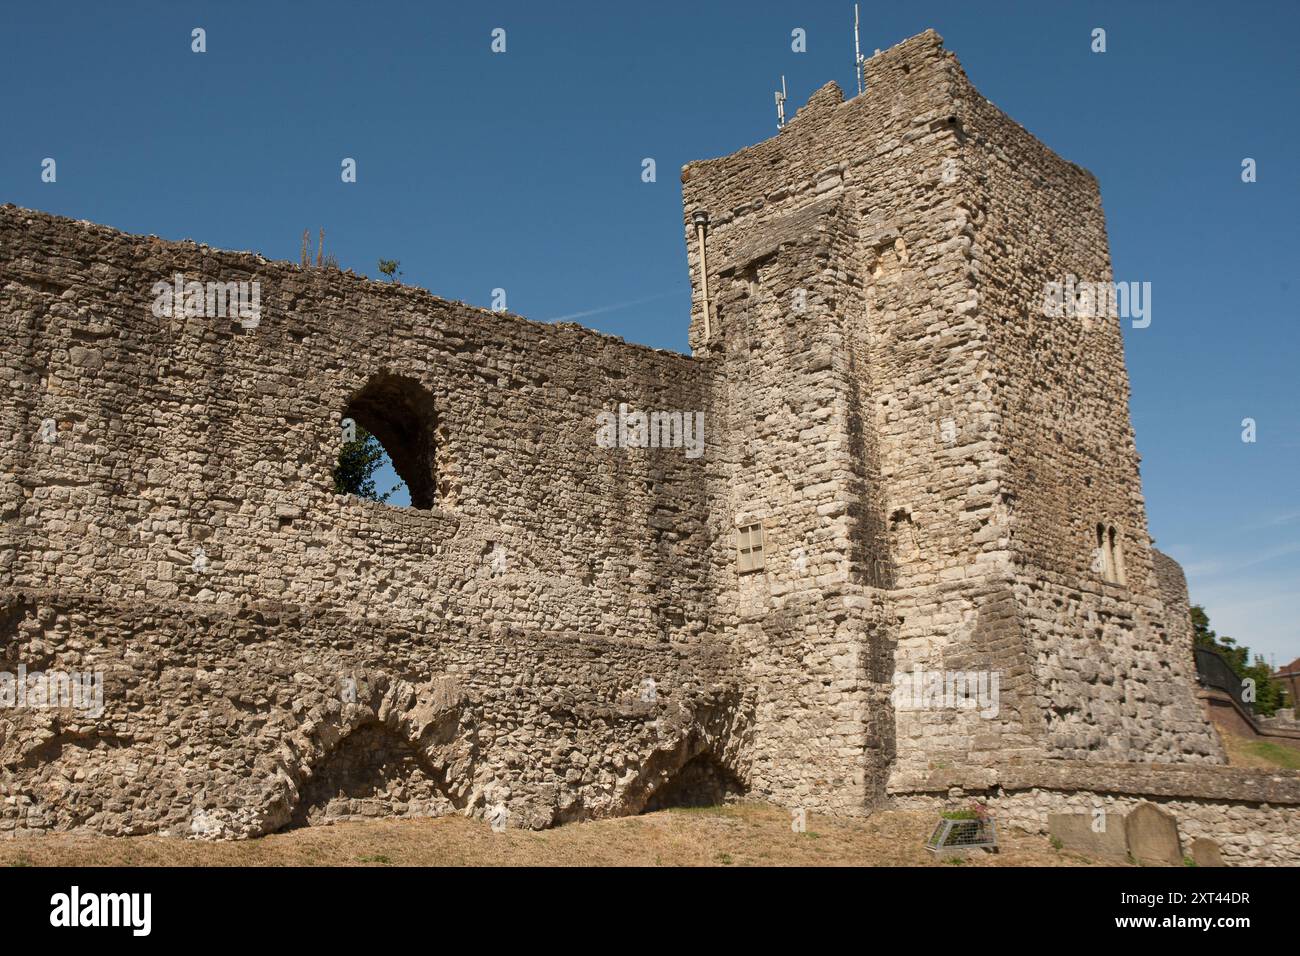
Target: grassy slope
{"x": 1263, "y": 754}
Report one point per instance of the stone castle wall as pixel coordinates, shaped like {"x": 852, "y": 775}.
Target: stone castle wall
{"x": 561, "y": 630}
{"x": 1172, "y": 585}
{"x": 548, "y": 581}
{"x": 832, "y": 285}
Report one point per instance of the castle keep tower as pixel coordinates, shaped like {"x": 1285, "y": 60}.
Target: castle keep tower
{"x": 933, "y": 462}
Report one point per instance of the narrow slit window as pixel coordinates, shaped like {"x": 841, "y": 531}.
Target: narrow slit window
{"x": 749, "y": 548}
{"x": 1116, "y": 550}
{"x": 1102, "y": 553}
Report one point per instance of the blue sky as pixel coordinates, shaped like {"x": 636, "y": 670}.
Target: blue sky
{"x": 522, "y": 171}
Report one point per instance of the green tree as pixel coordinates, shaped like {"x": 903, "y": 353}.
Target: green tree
{"x": 1269, "y": 694}
{"x": 389, "y": 267}
{"x": 358, "y": 461}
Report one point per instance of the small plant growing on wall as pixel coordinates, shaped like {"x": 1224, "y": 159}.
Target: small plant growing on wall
{"x": 324, "y": 260}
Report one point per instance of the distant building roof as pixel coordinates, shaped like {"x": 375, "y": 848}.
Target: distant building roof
{"x": 1286, "y": 670}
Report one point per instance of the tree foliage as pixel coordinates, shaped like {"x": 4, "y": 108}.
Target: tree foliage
{"x": 358, "y": 462}
{"x": 1269, "y": 694}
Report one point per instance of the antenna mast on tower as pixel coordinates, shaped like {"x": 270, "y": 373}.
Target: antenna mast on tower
{"x": 780, "y": 105}
{"x": 857, "y": 50}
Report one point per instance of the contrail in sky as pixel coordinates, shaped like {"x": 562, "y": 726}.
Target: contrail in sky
{"x": 609, "y": 308}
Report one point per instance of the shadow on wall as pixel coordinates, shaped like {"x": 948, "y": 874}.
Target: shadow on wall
{"x": 371, "y": 773}
{"x": 701, "y": 782}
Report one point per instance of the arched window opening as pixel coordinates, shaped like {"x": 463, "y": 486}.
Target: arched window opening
{"x": 395, "y": 437}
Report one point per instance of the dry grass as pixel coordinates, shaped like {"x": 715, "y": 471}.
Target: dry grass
{"x": 746, "y": 834}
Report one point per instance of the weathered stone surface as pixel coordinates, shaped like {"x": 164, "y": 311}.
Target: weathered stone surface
{"x": 1249, "y": 833}
{"x": 1095, "y": 835}
{"x": 1153, "y": 837}
{"x": 1228, "y": 784}
{"x": 1205, "y": 852}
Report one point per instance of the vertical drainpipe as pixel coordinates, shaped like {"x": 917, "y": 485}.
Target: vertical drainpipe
{"x": 701, "y": 219}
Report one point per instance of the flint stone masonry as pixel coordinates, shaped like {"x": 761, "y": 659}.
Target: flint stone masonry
{"x": 927, "y": 455}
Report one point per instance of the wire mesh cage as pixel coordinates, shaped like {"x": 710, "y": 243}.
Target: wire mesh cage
{"x": 963, "y": 834}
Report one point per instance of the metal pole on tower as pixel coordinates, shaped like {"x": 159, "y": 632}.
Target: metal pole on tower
{"x": 857, "y": 50}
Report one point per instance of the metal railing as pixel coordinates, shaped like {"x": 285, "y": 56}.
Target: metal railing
{"x": 1213, "y": 671}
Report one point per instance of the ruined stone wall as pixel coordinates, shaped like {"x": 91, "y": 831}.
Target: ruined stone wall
{"x": 548, "y": 581}
{"x": 1171, "y": 585}
{"x": 788, "y": 283}
{"x": 942, "y": 467}
{"x": 926, "y": 451}
{"x": 967, "y": 443}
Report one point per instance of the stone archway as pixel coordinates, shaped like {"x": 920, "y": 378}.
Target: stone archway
{"x": 426, "y": 728}
{"x": 702, "y": 781}
{"x": 372, "y": 772}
